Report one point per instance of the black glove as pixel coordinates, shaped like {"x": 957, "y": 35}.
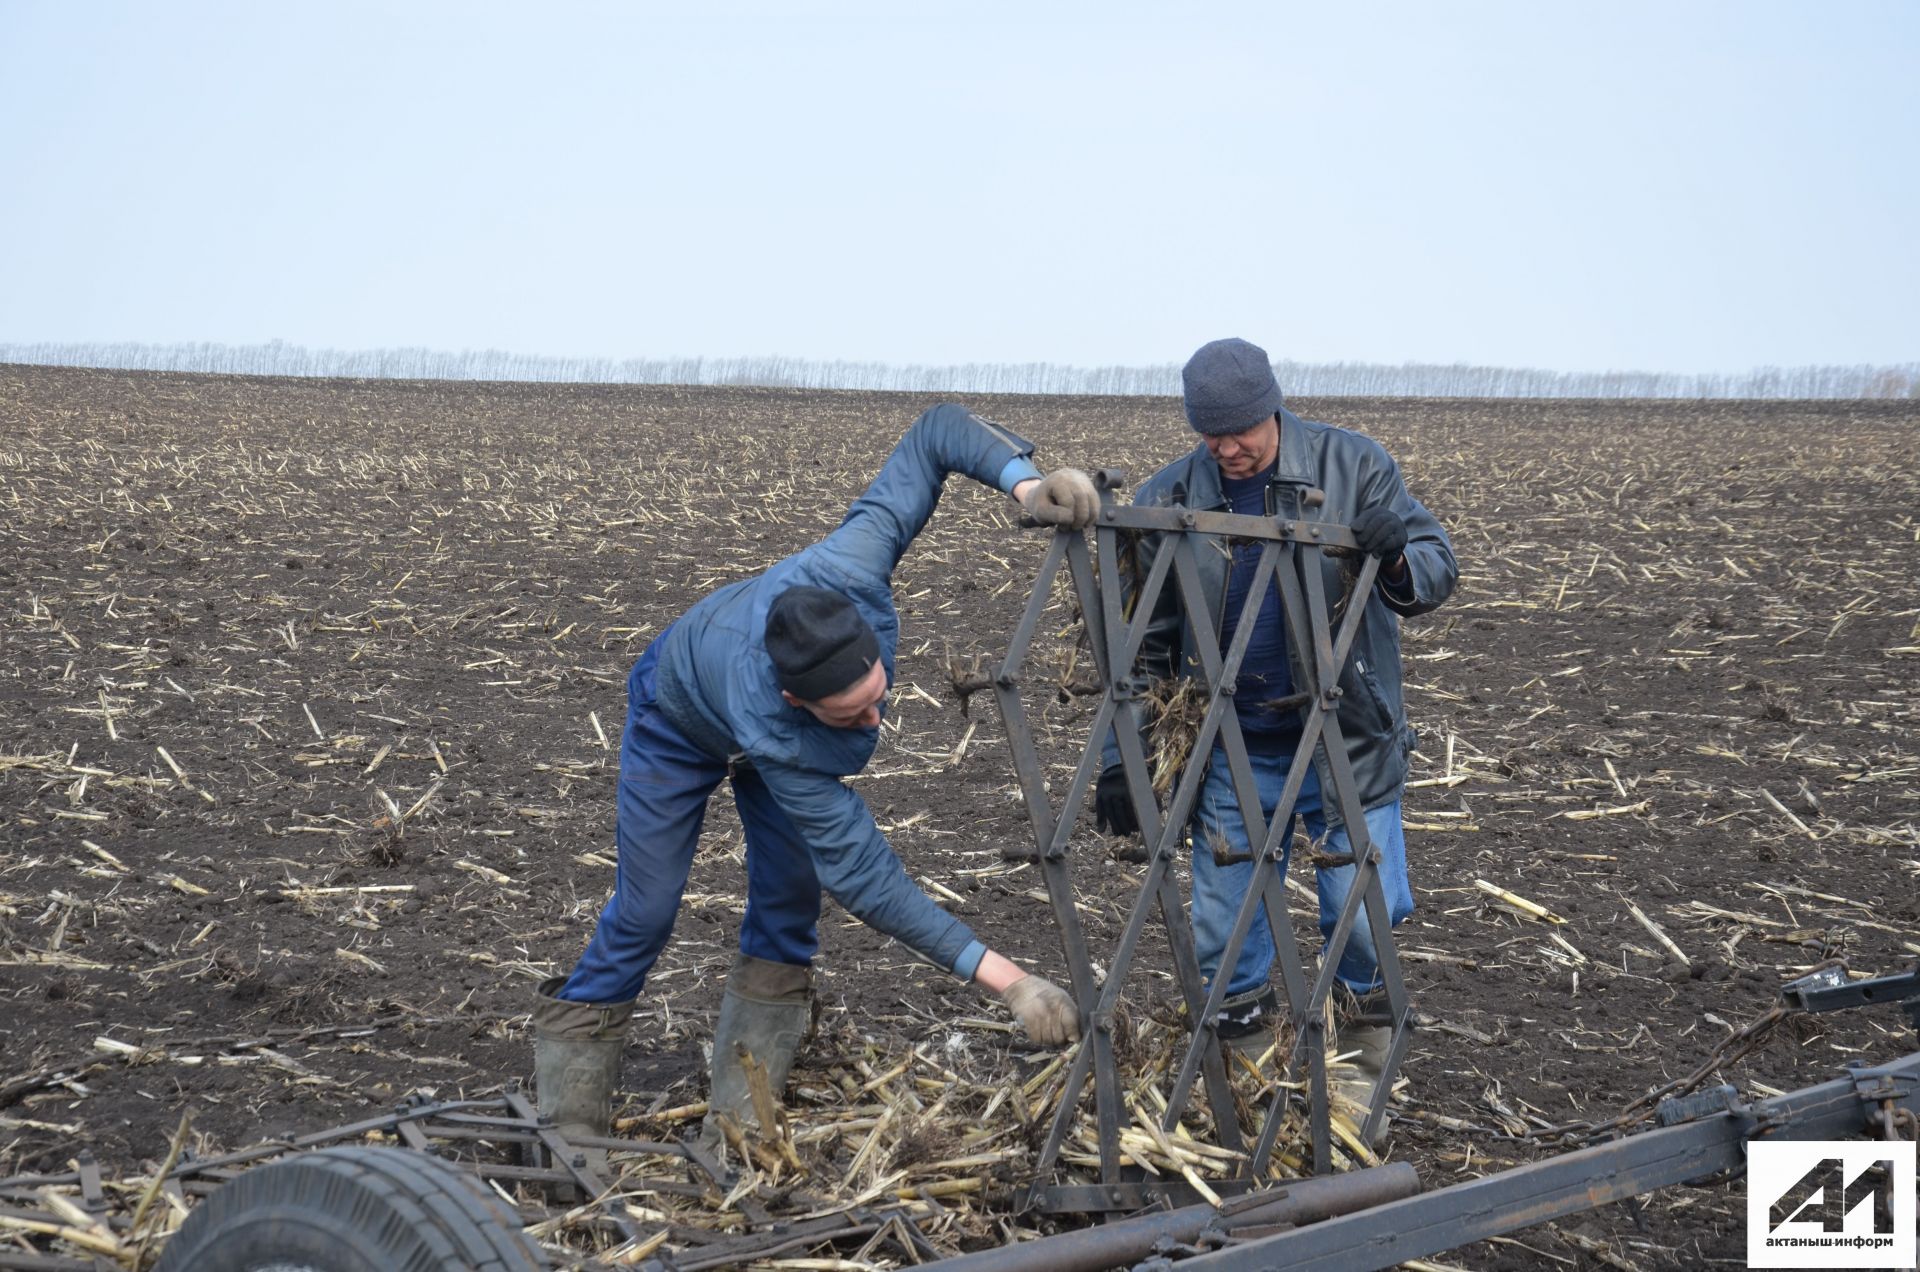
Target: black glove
{"x": 1112, "y": 805}
{"x": 1382, "y": 532}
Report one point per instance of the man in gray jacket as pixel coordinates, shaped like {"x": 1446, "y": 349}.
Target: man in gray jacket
{"x": 1257, "y": 458}
{"x": 777, "y": 685}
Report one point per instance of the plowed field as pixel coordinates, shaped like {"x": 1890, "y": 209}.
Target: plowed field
{"x": 311, "y": 692}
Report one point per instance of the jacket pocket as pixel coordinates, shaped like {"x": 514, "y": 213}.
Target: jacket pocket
{"x": 1376, "y": 699}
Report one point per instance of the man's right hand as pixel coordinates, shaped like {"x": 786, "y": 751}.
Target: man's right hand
{"x": 1065, "y": 497}
{"x": 1113, "y": 805}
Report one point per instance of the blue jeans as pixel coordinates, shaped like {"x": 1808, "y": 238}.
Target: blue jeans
{"x": 664, "y": 784}
{"x": 1218, "y": 890}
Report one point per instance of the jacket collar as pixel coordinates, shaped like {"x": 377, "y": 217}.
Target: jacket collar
{"x": 1296, "y": 454}
{"x": 1295, "y": 466}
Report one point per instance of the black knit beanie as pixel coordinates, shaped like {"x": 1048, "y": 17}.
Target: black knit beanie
{"x": 818, "y": 642}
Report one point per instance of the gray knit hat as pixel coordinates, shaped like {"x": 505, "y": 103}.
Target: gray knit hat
{"x": 1229, "y": 387}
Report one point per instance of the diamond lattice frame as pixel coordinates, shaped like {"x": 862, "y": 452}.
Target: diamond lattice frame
{"x": 1291, "y": 559}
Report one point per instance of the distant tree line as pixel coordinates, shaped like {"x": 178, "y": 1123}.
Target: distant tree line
{"x": 1306, "y": 379}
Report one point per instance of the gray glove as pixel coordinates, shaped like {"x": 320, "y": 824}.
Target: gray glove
{"x": 1065, "y": 497}
{"x": 1045, "y": 1010}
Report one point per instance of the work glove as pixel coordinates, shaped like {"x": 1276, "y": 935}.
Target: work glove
{"x": 1382, "y": 532}
{"x": 1112, "y": 805}
{"x": 1044, "y": 1010}
{"x": 1065, "y": 497}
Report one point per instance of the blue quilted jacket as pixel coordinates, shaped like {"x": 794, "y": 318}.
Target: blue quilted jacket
{"x": 716, "y": 683}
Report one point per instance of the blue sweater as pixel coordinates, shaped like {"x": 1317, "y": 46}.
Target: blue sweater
{"x": 1264, "y": 673}
{"x": 716, "y": 683}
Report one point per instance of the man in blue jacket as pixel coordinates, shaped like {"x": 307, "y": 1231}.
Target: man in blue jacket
{"x": 777, "y": 684}
{"x": 1257, "y": 458}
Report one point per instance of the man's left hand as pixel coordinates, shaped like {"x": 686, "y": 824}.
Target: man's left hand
{"x": 1382, "y": 532}
{"x": 1046, "y": 1011}
{"x": 1065, "y": 497}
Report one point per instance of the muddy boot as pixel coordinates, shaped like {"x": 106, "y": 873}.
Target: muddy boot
{"x": 767, "y": 1011}
{"x": 576, "y": 1063}
{"x": 1365, "y": 1039}
{"x": 1247, "y": 1020}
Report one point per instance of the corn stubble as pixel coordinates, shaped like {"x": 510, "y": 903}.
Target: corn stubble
{"x": 312, "y": 723}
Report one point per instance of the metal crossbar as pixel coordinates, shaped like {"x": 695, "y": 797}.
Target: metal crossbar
{"x": 1116, "y": 603}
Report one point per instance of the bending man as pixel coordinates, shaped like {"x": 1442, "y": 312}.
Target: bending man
{"x": 777, "y": 684}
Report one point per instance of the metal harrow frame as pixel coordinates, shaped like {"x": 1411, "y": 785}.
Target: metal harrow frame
{"x": 1291, "y": 560}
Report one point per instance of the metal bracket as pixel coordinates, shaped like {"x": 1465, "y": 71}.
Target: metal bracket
{"x": 1713, "y": 1101}
{"x": 1887, "y": 1092}
{"x": 1830, "y": 989}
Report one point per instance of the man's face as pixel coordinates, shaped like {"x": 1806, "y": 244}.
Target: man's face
{"x": 1247, "y": 452}
{"x": 855, "y": 707}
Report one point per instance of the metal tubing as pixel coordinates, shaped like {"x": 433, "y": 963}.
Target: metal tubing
{"x": 1122, "y": 1242}
{"x": 1554, "y": 1188}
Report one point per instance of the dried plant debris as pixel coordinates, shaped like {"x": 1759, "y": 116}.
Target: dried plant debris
{"x": 313, "y": 693}
{"x": 934, "y": 1142}
{"x": 1178, "y": 707}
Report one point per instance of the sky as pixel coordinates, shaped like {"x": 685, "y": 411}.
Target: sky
{"x": 1687, "y": 186}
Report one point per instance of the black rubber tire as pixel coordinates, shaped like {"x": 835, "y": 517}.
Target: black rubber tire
{"x": 354, "y": 1209}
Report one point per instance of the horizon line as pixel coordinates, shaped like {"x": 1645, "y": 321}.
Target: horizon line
{"x": 1345, "y": 378}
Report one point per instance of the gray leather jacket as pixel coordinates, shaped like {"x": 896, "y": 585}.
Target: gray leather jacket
{"x": 1354, "y": 472}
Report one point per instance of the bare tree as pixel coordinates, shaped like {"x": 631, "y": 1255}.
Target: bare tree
{"x": 1306, "y": 379}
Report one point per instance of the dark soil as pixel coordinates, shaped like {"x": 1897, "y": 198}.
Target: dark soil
{"x": 328, "y": 602}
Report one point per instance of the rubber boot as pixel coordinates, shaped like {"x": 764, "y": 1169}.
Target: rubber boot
{"x": 766, "y": 1012}
{"x": 1247, "y": 1020}
{"x": 576, "y": 1063}
{"x": 1365, "y": 1039}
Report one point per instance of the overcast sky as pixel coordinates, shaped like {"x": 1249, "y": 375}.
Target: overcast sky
{"x": 1670, "y": 186}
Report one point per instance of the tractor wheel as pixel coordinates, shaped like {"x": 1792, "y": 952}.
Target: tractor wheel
{"x": 354, "y": 1209}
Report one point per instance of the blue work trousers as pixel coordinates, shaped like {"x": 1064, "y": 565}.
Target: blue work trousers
{"x": 664, "y": 784}
{"x": 1218, "y": 890}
